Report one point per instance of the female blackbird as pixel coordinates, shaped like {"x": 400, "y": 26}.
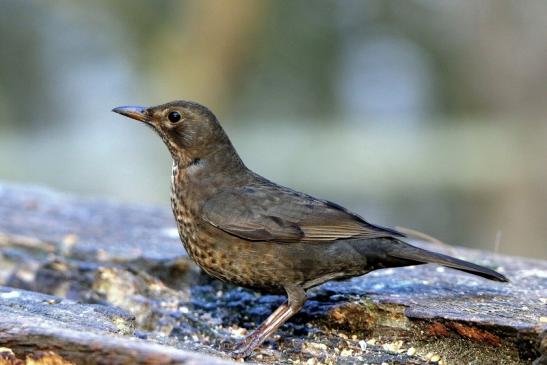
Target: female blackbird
{"x": 244, "y": 229}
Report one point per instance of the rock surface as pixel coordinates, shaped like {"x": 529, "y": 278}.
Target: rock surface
{"x": 124, "y": 290}
{"x": 81, "y": 333}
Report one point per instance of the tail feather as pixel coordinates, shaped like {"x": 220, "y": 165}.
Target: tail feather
{"x": 408, "y": 252}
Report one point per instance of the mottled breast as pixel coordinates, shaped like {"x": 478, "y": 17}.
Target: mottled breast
{"x": 196, "y": 241}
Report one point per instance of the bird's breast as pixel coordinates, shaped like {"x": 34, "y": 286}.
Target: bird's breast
{"x": 198, "y": 241}
{"x": 183, "y": 210}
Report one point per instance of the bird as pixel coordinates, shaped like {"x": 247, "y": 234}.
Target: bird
{"x": 244, "y": 229}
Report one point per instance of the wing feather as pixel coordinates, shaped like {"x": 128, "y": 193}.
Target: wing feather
{"x": 277, "y": 214}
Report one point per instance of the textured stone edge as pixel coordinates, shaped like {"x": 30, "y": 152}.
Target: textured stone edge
{"x": 27, "y": 335}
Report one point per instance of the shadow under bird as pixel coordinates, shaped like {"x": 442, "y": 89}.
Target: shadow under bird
{"x": 244, "y": 229}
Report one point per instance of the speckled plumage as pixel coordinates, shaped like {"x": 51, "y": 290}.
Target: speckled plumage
{"x": 244, "y": 229}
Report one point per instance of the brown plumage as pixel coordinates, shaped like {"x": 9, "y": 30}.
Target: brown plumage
{"x": 242, "y": 228}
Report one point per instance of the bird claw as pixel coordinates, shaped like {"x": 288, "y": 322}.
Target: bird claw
{"x": 244, "y": 349}
{"x": 241, "y": 353}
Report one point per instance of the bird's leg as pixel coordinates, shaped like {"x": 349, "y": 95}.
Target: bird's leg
{"x": 296, "y": 299}
{"x": 280, "y": 311}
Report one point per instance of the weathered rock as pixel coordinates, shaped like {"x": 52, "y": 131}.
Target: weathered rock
{"x": 129, "y": 257}
{"x": 8, "y": 357}
{"x": 84, "y": 333}
{"x": 86, "y": 228}
{"x": 105, "y": 319}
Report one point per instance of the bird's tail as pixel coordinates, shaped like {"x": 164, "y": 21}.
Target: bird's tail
{"x": 408, "y": 252}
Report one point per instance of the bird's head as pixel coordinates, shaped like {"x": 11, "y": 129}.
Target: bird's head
{"x": 190, "y": 130}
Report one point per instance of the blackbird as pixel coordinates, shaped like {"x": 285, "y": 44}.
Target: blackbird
{"x": 244, "y": 229}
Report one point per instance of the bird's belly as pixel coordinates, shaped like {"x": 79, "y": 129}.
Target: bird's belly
{"x": 240, "y": 263}
{"x": 265, "y": 265}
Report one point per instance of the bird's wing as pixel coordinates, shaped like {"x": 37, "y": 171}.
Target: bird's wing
{"x": 266, "y": 213}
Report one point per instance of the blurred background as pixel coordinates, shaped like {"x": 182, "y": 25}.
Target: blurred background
{"x": 425, "y": 114}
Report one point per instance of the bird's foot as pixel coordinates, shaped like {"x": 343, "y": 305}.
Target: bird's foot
{"x": 245, "y": 348}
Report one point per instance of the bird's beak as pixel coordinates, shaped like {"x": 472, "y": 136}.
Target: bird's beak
{"x": 134, "y": 112}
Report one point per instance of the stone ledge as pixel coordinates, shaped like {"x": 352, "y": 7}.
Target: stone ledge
{"x": 128, "y": 259}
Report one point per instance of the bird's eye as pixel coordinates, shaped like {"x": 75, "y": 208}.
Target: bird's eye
{"x": 174, "y": 117}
